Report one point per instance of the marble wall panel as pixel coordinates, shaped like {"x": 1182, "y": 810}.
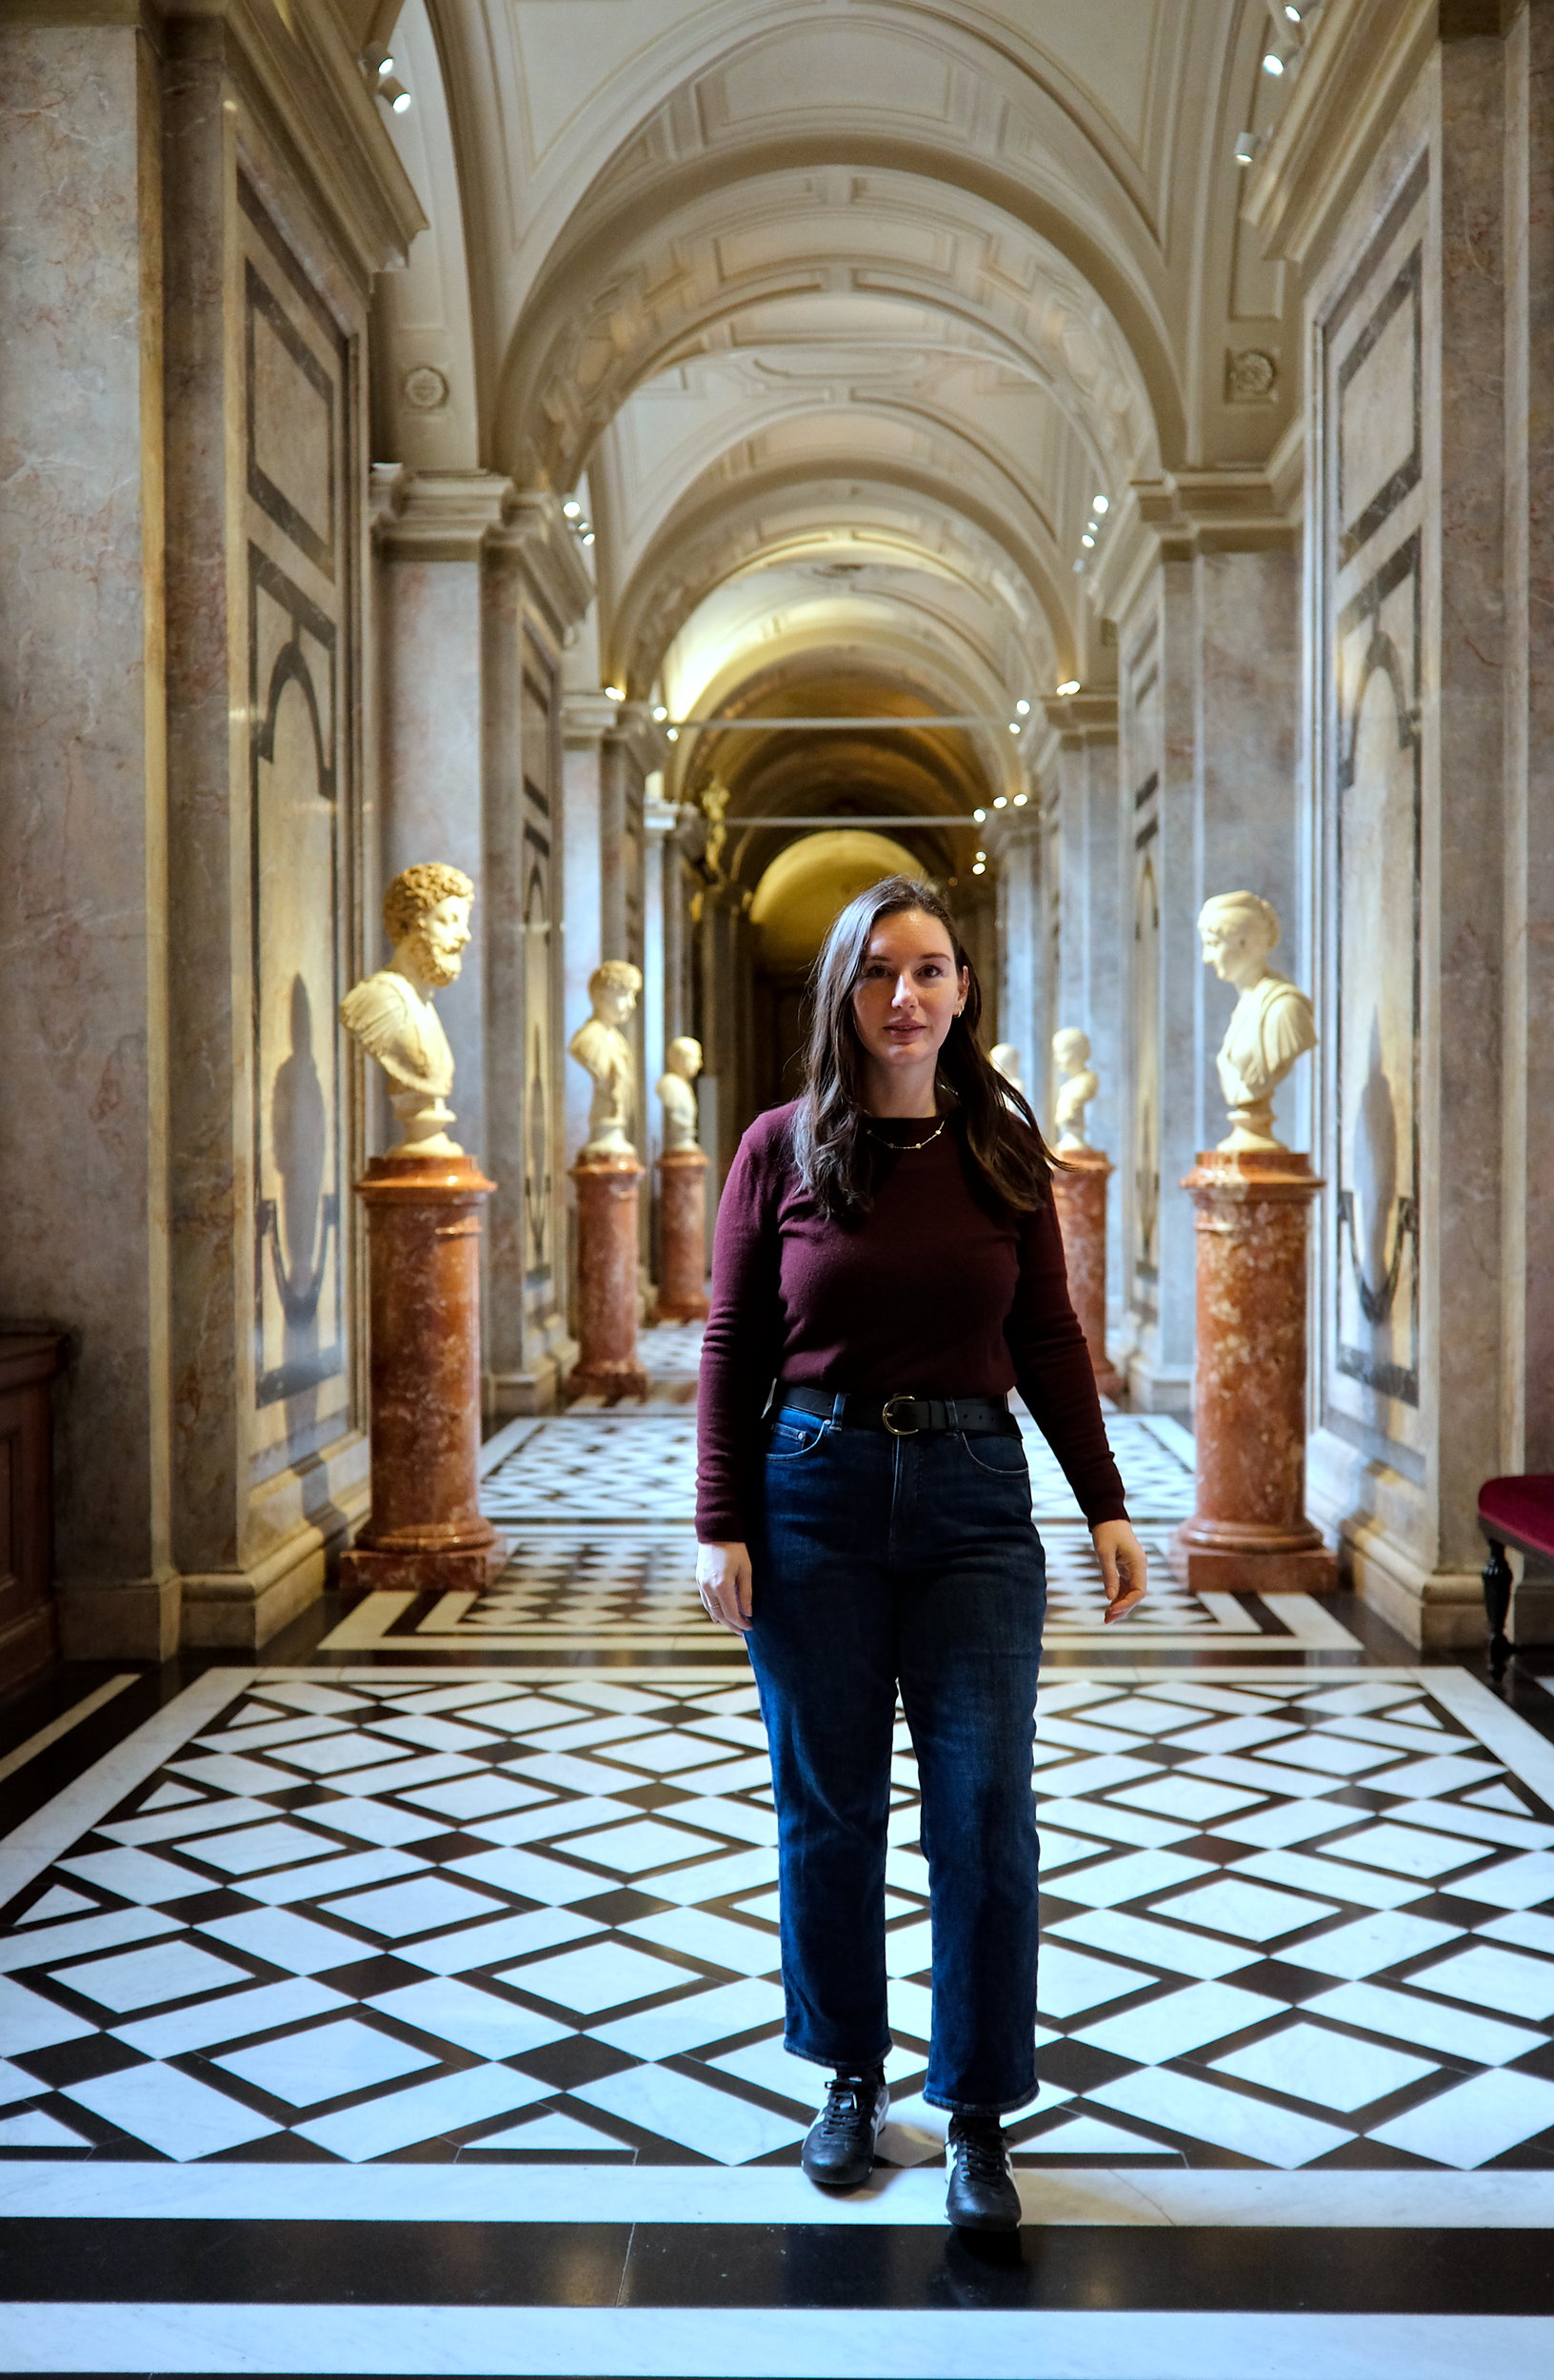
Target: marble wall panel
{"x": 82, "y": 919}
{"x": 300, "y": 847}
{"x": 1372, "y": 511}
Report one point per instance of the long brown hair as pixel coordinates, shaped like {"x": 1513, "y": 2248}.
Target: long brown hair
{"x": 834, "y": 1155}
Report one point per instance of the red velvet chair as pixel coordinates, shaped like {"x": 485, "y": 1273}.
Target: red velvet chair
{"x": 1518, "y": 1511}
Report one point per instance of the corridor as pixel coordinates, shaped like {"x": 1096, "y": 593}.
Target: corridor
{"x": 406, "y": 2001}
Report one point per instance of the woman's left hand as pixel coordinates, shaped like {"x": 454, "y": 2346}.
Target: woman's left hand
{"x": 1124, "y": 1566}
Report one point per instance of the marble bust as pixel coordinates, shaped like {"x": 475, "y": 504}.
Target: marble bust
{"x": 682, "y": 1064}
{"x": 1071, "y": 1055}
{"x": 426, "y": 914}
{"x": 1271, "y": 1024}
{"x": 1005, "y": 1060}
{"x": 602, "y": 1050}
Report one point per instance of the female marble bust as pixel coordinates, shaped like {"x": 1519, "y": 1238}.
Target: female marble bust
{"x": 682, "y": 1064}
{"x": 601, "y": 1049}
{"x": 1270, "y": 1025}
{"x": 426, "y": 914}
{"x": 1071, "y": 1054}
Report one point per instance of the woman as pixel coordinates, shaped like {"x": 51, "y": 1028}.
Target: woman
{"x": 887, "y": 1254}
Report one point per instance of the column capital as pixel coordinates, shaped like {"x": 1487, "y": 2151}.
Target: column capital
{"x": 536, "y": 533}
{"x": 1083, "y": 718}
{"x": 586, "y": 718}
{"x": 435, "y": 516}
{"x": 1231, "y": 509}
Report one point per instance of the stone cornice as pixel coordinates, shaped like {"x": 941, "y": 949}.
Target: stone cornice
{"x": 1360, "y": 60}
{"x": 587, "y": 719}
{"x": 1083, "y": 718}
{"x": 535, "y": 532}
{"x": 436, "y": 516}
{"x": 1236, "y": 510}
{"x": 299, "y": 73}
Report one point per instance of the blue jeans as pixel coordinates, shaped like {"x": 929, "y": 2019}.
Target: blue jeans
{"x": 881, "y": 1561}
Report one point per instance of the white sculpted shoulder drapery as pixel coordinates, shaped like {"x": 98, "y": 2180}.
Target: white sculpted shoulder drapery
{"x": 425, "y": 914}
{"x": 602, "y": 1051}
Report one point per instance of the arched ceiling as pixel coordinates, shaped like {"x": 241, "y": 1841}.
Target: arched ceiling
{"x": 840, "y": 315}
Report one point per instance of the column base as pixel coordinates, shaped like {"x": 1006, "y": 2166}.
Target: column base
{"x": 692, "y": 1309}
{"x": 607, "y": 1379}
{"x": 366, "y": 1571}
{"x": 1245, "y": 1570}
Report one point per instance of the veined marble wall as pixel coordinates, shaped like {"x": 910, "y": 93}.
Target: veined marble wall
{"x": 299, "y": 492}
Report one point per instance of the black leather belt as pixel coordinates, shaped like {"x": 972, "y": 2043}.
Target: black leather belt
{"x": 903, "y": 1415}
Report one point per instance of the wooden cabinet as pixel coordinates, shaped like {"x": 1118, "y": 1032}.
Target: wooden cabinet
{"x": 28, "y": 1633}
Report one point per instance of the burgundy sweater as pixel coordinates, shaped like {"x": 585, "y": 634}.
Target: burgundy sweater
{"x": 935, "y": 1292}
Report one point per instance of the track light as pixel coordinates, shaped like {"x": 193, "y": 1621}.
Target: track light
{"x": 1022, "y": 709}
{"x": 1273, "y": 64}
{"x": 571, "y": 509}
{"x": 659, "y": 713}
{"x": 674, "y": 734}
{"x": 1069, "y": 685}
{"x": 1099, "y": 504}
{"x": 1001, "y": 800}
{"x": 1020, "y": 801}
{"x": 980, "y": 816}
{"x": 978, "y": 867}
{"x": 615, "y": 693}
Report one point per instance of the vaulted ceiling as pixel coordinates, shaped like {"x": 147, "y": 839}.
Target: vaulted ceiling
{"x": 838, "y": 317}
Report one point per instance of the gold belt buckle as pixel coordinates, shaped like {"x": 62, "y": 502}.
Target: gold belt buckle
{"x": 903, "y": 1396}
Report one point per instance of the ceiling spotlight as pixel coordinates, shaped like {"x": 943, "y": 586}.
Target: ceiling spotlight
{"x": 615, "y": 693}
{"x": 571, "y": 509}
{"x": 385, "y": 65}
{"x": 1001, "y": 802}
{"x": 1099, "y": 504}
{"x": 1069, "y": 685}
{"x": 982, "y": 855}
{"x": 674, "y": 734}
{"x": 1020, "y": 801}
{"x": 1086, "y": 539}
{"x": 396, "y": 94}
{"x": 1014, "y": 727}
{"x": 979, "y": 816}
{"x": 1293, "y": 13}
{"x": 588, "y": 537}
{"x": 1023, "y": 708}
{"x": 1090, "y": 526}
{"x": 1273, "y": 64}
{"x": 1245, "y": 148}
{"x": 978, "y": 867}
{"x": 659, "y": 711}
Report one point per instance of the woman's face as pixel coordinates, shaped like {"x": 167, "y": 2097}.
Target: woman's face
{"x": 909, "y": 992}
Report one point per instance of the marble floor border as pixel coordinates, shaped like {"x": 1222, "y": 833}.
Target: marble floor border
{"x": 896, "y": 2198}
{"x": 657, "y": 2343}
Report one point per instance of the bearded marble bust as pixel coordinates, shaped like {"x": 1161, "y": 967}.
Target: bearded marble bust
{"x": 1271, "y": 1024}
{"x": 426, "y": 914}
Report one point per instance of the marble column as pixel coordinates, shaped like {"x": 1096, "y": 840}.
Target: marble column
{"x": 1249, "y": 1532}
{"x": 425, "y": 1532}
{"x": 608, "y": 1363}
{"x": 1078, "y": 1191}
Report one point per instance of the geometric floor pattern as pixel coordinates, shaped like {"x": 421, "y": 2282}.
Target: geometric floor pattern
{"x": 598, "y": 1508}
{"x": 1294, "y": 1918}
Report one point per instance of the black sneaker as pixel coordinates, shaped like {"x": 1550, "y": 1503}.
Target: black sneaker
{"x": 982, "y": 2195}
{"x": 839, "y": 2146}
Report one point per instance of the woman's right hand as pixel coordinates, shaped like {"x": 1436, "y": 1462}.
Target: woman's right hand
{"x": 723, "y": 1580}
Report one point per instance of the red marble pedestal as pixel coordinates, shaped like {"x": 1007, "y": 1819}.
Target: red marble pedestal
{"x": 1249, "y": 1532}
{"x": 682, "y": 1234}
{"x": 426, "y": 1532}
{"x": 607, "y": 1278}
{"x": 1079, "y": 1189}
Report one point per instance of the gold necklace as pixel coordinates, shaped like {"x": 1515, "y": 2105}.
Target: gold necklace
{"x": 904, "y": 1148}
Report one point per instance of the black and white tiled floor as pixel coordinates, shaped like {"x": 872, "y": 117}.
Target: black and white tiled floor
{"x": 412, "y": 2005}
